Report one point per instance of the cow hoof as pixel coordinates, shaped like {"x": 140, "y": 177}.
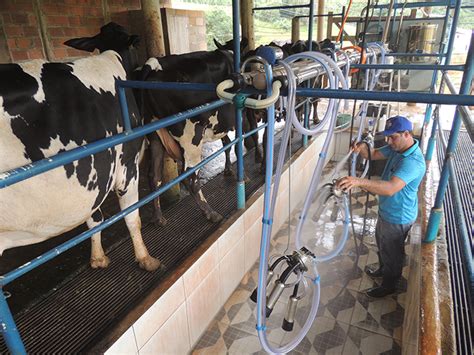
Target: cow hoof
{"x": 100, "y": 263}
{"x": 149, "y": 263}
{"x": 214, "y": 217}
{"x": 229, "y": 172}
{"x": 159, "y": 222}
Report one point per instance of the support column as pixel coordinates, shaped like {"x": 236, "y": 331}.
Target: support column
{"x": 246, "y": 21}
{"x": 155, "y": 47}
{"x": 295, "y": 29}
{"x": 320, "y": 35}
{"x": 155, "y": 44}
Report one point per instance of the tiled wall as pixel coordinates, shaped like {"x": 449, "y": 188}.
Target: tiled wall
{"x": 177, "y": 320}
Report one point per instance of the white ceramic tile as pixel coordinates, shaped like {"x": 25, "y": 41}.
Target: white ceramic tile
{"x": 283, "y": 181}
{"x": 232, "y": 269}
{"x": 253, "y": 235}
{"x": 201, "y": 269}
{"x": 281, "y": 211}
{"x": 230, "y": 237}
{"x": 172, "y": 338}
{"x": 253, "y": 213}
{"x": 125, "y": 345}
{"x": 203, "y": 304}
{"x": 152, "y": 320}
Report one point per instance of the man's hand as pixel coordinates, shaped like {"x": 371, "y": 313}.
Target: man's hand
{"x": 356, "y": 147}
{"x": 348, "y": 182}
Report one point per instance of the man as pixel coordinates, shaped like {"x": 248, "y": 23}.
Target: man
{"x": 398, "y": 200}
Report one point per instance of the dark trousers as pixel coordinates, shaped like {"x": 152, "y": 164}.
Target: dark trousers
{"x": 390, "y": 240}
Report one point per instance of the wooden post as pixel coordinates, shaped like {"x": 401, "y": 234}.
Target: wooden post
{"x": 155, "y": 46}
{"x": 246, "y": 22}
{"x": 295, "y": 29}
{"x": 320, "y": 35}
{"x": 329, "y": 29}
{"x": 153, "y": 28}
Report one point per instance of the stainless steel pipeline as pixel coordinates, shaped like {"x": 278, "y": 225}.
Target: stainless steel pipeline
{"x": 304, "y": 69}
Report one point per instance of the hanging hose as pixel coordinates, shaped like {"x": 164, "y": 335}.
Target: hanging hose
{"x": 330, "y": 117}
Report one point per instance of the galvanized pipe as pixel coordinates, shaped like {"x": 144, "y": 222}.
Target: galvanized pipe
{"x": 443, "y": 99}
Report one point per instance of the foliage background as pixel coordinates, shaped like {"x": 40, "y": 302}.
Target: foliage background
{"x": 276, "y": 24}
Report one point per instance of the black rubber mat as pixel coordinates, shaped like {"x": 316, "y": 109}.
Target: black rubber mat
{"x": 64, "y": 306}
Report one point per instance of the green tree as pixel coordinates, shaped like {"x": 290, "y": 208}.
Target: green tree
{"x": 219, "y": 27}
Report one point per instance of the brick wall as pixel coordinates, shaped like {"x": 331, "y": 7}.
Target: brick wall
{"x": 20, "y": 34}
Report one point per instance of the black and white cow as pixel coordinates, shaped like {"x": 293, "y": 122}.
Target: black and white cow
{"x": 48, "y": 108}
{"x": 184, "y": 141}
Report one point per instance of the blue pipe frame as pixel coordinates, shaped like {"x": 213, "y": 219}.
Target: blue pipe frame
{"x": 447, "y": 61}
{"x": 437, "y": 211}
{"x": 10, "y": 332}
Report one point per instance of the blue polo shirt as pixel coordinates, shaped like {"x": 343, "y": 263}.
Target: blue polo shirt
{"x": 402, "y": 207}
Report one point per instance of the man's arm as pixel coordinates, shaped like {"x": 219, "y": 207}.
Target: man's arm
{"x": 363, "y": 150}
{"x": 379, "y": 187}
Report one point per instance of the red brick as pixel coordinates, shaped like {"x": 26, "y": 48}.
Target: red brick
{"x": 6, "y": 5}
{"x": 57, "y": 31}
{"x": 58, "y": 42}
{"x": 7, "y": 19}
{"x": 69, "y": 32}
{"x": 36, "y": 54}
{"x": 24, "y": 43}
{"x": 74, "y": 20}
{"x": 60, "y": 53}
{"x": 79, "y": 11}
{"x": 32, "y": 20}
{"x": 37, "y": 42}
{"x": 24, "y": 7}
{"x": 30, "y": 31}
{"x": 51, "y": 9}
{"x": 71, "y": 52}
{"x": 94, "y": 22}
{"x": 11, "y": 43}
{"x": 20, "y": 19}
{"x": 57, "y": 20}
{"x": 19, "y": 55}
{"x": 13, "y": 31}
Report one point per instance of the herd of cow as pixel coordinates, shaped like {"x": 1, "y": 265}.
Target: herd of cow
{"x": 48, "y": 108}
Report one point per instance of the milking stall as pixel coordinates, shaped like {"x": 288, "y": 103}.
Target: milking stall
{"x": 227, "y": 201}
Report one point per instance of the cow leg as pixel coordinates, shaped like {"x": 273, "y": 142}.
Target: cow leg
{"x": 98, "y": 257}
{"x": 127, "y": 198}
{"x": 253, "y": 122}
{"x": 192, "y": 156}
{"x": 228, "y": 165}
{"x": 194, "y": 187}
{"x": 155, "y": 177}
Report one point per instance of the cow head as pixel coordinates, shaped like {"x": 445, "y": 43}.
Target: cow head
{"x": 111, "y": 37}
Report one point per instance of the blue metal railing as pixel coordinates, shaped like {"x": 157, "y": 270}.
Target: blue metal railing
{"x": 436, "y": 211}
{"x": 9, "y": 329}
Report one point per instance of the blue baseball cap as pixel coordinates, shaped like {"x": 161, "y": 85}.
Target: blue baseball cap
{"x": 397, "y": 124}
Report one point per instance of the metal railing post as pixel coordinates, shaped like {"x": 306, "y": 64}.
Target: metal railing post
{"x": 9, "y": 330}
{"x": 436, "y": 211}
{"x": 238, "y": 109}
